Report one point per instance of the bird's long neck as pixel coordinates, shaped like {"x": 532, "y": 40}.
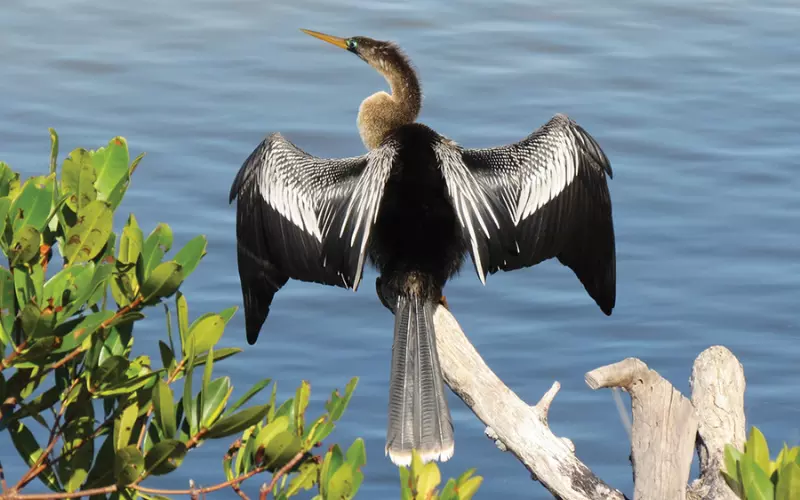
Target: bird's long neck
{"x": 382, "y": 113}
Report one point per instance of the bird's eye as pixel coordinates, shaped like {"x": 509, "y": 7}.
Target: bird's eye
{"x": 352, "y": 44}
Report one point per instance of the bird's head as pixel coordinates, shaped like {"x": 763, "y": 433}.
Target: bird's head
{"x": 376, "y": 53}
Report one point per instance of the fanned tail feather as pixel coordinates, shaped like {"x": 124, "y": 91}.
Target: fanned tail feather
{"x": 419, "y": 417}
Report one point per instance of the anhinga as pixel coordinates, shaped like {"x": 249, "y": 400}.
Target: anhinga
{"x": 414, "y": 205}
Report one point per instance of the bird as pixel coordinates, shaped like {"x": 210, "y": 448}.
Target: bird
{"x": 414, "y": 206}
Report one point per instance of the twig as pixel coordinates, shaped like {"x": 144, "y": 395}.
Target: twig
{"x": 42, "y": 463}
{"x": 283, "y": 470}
{"x": 6, "y": 362}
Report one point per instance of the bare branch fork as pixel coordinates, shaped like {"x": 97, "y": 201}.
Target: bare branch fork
{"x": 666, "y": 425}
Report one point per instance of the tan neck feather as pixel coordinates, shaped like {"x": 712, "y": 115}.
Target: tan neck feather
{"x": 381, "y": 113}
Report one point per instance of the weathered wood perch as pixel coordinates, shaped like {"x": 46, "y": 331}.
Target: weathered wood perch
{"x": 666, "y": 425}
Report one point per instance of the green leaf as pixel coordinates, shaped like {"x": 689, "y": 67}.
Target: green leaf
{"x": 357, "y": 454}
{"x": 129, "y": 385}
{"x": 167, "y": 356}
{"x": 77, "y": 180}
{"x": 111, "y": 165}
{"x": 755, "y": 480}
{"x": 79, "y": 424}
{"x": 6, "y": 305}
{"x": 24, "y": 245}
{"x": 332, "y": 462}
{"x": 116, "y": 195}
{"x": 219, "y": 354}
{"x": 124, "y": 423}
{"x": 68, "y": 285}
{"x": 164, "y": 457}
{"x": 90, "y": 234}
{"x": 164, "y": 408}
{"x": 405, "y": 484}
{"x": 206, "y": 331}
{"x": 214, "y": 399}
{"x": 32, "y": 206}
{"x": 7, "y": 178}
{"x": 468, "y": 489}
{"x": 238, "y": 422}
{"x": 429, "y": 479}
{"x": 81, "y": 332}
{"x": 163, "y": 282}
{"x": 258, "y": 387}
{"x": 37, "y": 324}
{"x": 155, "y": 246}
{"x": 5, "y": 206}
{"x": 183, "y": 318}
{"x": 757, "y": 449}
{"x": 189, "y": 256}
{"x": 128, "y": 465}
{"x": 30, "y": 451}
{"x": 53, "y": 150}
{"x": 101, "y": 474}
{"x": 135, "y": 162}
{"x": 788, "y": 482}
{"x": 300, "y": 405}
{"x": 340, "y": 485}
{"x": 131, "y": 242}
{"x": 305, "y": 479}
{"x": 189, "y": 408}
{"x": 338, "y": 404}
{"x": 228, "y": 313}
{"x": 281, "y": 449}
{"x": 272, "y": 429}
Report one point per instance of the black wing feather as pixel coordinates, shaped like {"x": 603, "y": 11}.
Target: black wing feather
{"x": 543, "y": 197}
{"x": 296, "y": 217}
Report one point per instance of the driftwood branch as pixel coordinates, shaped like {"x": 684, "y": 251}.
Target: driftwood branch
{"x": 663, "y": 432}
{"x": 666, "y": 425}
{"x": 718, "y": 395}
{"x": 518, "y": 427}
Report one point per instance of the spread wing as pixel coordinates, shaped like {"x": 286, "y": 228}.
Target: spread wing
{"x": 545, "y": 196}
{"x": 303, "y": 217}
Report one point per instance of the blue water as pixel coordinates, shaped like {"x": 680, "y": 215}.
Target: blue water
{"x": 696, "y": 105}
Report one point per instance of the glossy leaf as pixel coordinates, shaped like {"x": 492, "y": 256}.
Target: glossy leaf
{"x": 163, "y": 282}
{"x": 7, "y": 178}
{"x": 183, "y": 318}
{"x": 206, "y": 331}
{"x": 238, "y": 422}
{"x": 131, "y": 242}
{"x": 340, "y": 484}
{"x": 219, "y": 354}
{"x": 6, "y": 305}
{"x": 155, "y": 246}
{"x": 247, "y": 396}
{"x": 79, "y": 423}
{"x": 30, "y": 451}
{"x": 357, "y": 454}
{"x": 24, "y": 245}
{"x": 5, "y": 207}
{"x": 214, "y": 399}
{"x": 111, "y": 165}
{"x": 272, "y": 429}
{"x": 128, "y": 465}
{"x": 53, "y": 150}
{"x": 305, "y": 479}
{"x": 68, "y": 285}
{"x": 756, "y": 448}
{"x": 300, "y": 404}
{"x": 32, "y": 206}
{"x": 755, "y": 481}
{"x": 164, "y": 457}
{"x": 468, "y": 488}
{"x": 282, "y": 448}
{"x": 123, "y": 424}
{"x": 164, "y": 408}
{"x": 189, "y": 256}
{"x": 338, "y": 404}
{"x": 228, "y": 313}
{"x": 77, "y": 180}
{"x": 788, "y": 482}
{"x": 37, "y": 324}
{"x": 89, "y": 235}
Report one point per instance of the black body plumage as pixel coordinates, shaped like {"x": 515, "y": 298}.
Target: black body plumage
{"x": 414, "y": 206}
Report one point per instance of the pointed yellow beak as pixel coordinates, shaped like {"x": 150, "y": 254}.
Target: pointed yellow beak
{"x": 335, "y": 40}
